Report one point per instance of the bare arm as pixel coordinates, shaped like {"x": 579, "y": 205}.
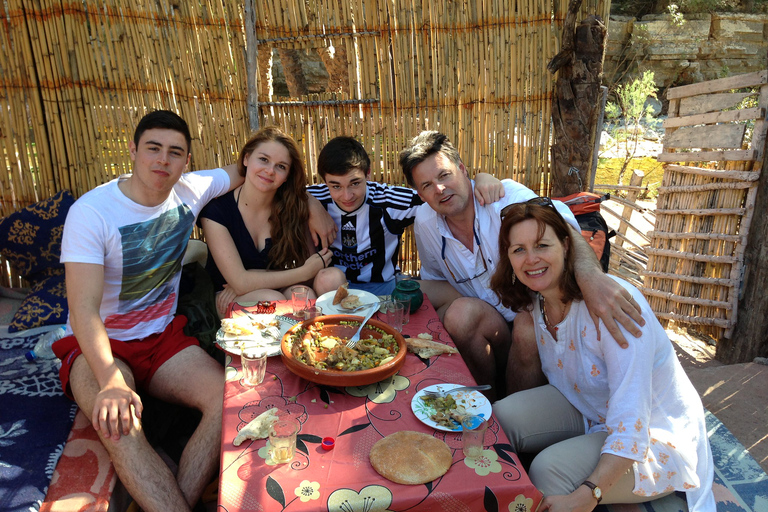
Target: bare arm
{"x": 242, "y": 280}
{"x": 606, "y": 300}
{"x": 112, "y": 407}
{"x": 488, "y": 189}
{"x": 606, "y": 474}
{"x": 321, "y": 224}
{"x": 235, "y": 180}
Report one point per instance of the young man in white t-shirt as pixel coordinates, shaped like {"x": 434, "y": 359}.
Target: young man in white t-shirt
{"x": 122, "y": 248}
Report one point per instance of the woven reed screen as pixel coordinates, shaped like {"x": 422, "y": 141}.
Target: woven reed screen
{"x": 706, "y": 206}
{"x": 77, "y": 76}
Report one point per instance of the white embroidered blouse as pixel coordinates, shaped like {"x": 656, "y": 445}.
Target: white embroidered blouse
{"x": 640, "y": 395}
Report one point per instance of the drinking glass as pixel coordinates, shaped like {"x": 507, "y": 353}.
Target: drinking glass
{"x": 311, "y": 312}
{"x": 299, "y": 299}
{"x": 254, "y": 362}
{"x": 282, "y": 439}
{"x": 473, "y": 435}
{"x": 393, "y": 314}
{"x": 406, "y": 302}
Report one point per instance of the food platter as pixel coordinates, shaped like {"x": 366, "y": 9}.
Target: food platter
{"x": 473, "y": 401}
{"x": 335, "y": 325}
{"x": 268, "y": 338}
{"x": 325, "y": 301}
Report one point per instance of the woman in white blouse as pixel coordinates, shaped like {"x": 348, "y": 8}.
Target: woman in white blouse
{"x": 613, "y": 425}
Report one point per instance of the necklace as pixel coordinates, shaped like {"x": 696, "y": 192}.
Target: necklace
{"x": 543, "y": 307}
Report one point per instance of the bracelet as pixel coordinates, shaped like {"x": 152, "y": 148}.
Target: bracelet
{"x": 321, "y": 258}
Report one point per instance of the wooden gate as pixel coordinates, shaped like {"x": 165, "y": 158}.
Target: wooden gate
{"x": 714, "y": 145}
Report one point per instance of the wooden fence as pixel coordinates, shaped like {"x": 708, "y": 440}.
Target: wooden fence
{"x": 75, "y": 78}
{"x": 706, "y": 206}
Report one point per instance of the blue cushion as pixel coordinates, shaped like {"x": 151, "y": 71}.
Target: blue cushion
{"x": 46, "y": 304}
{"x": 30, "y": 239}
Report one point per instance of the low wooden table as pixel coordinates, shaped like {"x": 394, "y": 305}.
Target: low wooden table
{"x": 343, "y": 479}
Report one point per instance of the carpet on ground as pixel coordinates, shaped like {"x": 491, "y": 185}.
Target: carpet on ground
{"x": 35, "y": 419}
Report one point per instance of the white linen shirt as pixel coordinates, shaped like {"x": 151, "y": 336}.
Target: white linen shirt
{"x": 640, "y": 395}
{"x": 431, "y": 229}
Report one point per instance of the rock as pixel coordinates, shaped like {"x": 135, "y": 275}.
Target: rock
{"x": 606, "y": 141}
{"x": 651, "y": 135}
{"x": 655, "y": 106}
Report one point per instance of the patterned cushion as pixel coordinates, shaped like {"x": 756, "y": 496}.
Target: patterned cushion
{"x": 30, "y": 239}
{"x": 46, "y": 303}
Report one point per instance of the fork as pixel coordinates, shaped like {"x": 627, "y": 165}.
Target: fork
{"x": 441, "y": 393}
{"x": 354, "y": 339}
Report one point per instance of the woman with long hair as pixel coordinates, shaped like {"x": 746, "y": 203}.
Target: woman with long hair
{"x": 258, "y": 236}
{"x": 613, "y": 425}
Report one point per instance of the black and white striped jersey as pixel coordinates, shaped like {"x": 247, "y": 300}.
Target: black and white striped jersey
{"x": 368, "y": 240}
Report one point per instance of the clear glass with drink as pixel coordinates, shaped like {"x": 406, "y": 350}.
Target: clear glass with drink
{"x": 473, "y": 435}
{"x": 254, "y": 363}
{"x": 393, "y": 314}
{"x": 299, "y": 295}
{"x": 282, "y": 440}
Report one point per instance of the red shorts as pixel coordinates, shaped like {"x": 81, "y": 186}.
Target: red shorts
{"x": 143, "y": 356}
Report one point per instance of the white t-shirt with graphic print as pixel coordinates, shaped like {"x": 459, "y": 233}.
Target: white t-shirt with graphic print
{"x": 140, "y": 247}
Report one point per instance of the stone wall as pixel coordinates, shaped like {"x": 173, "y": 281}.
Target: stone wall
{"x": 704, "y": 47}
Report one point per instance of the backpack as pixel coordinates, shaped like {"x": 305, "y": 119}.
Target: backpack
{"x": 586, "y": 208}
{"x": 197, "y": 301}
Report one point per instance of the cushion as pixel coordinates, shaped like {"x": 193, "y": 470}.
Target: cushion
{"x": 46, "y": 303}
{"x": 30, "y": 239}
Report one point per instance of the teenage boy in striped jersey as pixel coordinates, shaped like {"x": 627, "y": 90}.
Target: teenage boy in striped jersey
{"x": 371, "y": 216}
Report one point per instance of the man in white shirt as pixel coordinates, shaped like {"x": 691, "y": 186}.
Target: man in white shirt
{"x": 457, "y": 239}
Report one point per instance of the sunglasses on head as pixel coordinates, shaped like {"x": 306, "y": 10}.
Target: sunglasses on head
{"x": 538, "y": 201}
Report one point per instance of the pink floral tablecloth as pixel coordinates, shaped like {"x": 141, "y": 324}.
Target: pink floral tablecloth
{"x": 343, "y": 479}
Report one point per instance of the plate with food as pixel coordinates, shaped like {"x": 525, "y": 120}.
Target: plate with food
{"x": 445, "y": 413}
{"x": 344, "y": 301}
{"x": 246, "y": 330}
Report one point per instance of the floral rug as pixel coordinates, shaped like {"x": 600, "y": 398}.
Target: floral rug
{"x": 35, "y": 419}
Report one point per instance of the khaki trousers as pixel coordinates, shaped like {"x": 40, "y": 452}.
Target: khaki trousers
{"x": 543, "y": 421}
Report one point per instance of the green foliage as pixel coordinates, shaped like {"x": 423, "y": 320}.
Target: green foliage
{"x": 628, "y": 110}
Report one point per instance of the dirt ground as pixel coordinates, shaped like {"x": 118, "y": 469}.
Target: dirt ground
{"x": 737, "y": 394}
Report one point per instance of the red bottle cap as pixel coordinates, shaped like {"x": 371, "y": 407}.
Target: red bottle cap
{"x": 328, "y": 443}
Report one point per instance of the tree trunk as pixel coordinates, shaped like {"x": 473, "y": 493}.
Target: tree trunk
{"x": 576, "y": 101}
{"x": 750, "y": 335}
{"x": 294, "y": 75}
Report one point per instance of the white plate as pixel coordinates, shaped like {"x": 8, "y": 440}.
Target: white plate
{"x": 269, "y": 339}
{"x": 473, "y": 401}
{"x": 325, "y": 301}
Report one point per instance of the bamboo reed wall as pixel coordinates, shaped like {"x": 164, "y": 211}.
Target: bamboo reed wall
{"x": 703, "y": 215}
{"x": 75, "y": 78}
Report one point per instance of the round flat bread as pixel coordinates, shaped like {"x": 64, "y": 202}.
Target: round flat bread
{"x": 411, "y": 458}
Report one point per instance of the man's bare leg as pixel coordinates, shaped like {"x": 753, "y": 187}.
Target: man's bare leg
{"x": 524, "y": 366}
{"x": 194, "y": 379}
{"x": 145, "y": 475}
{"x": 441, "y": 294}
{"x": 482, "y": 336}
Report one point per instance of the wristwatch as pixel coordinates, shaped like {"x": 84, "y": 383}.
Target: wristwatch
{"x": 597, "y": 493}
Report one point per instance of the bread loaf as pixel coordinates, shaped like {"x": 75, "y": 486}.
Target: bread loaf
{"x": 411, "y": 458}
